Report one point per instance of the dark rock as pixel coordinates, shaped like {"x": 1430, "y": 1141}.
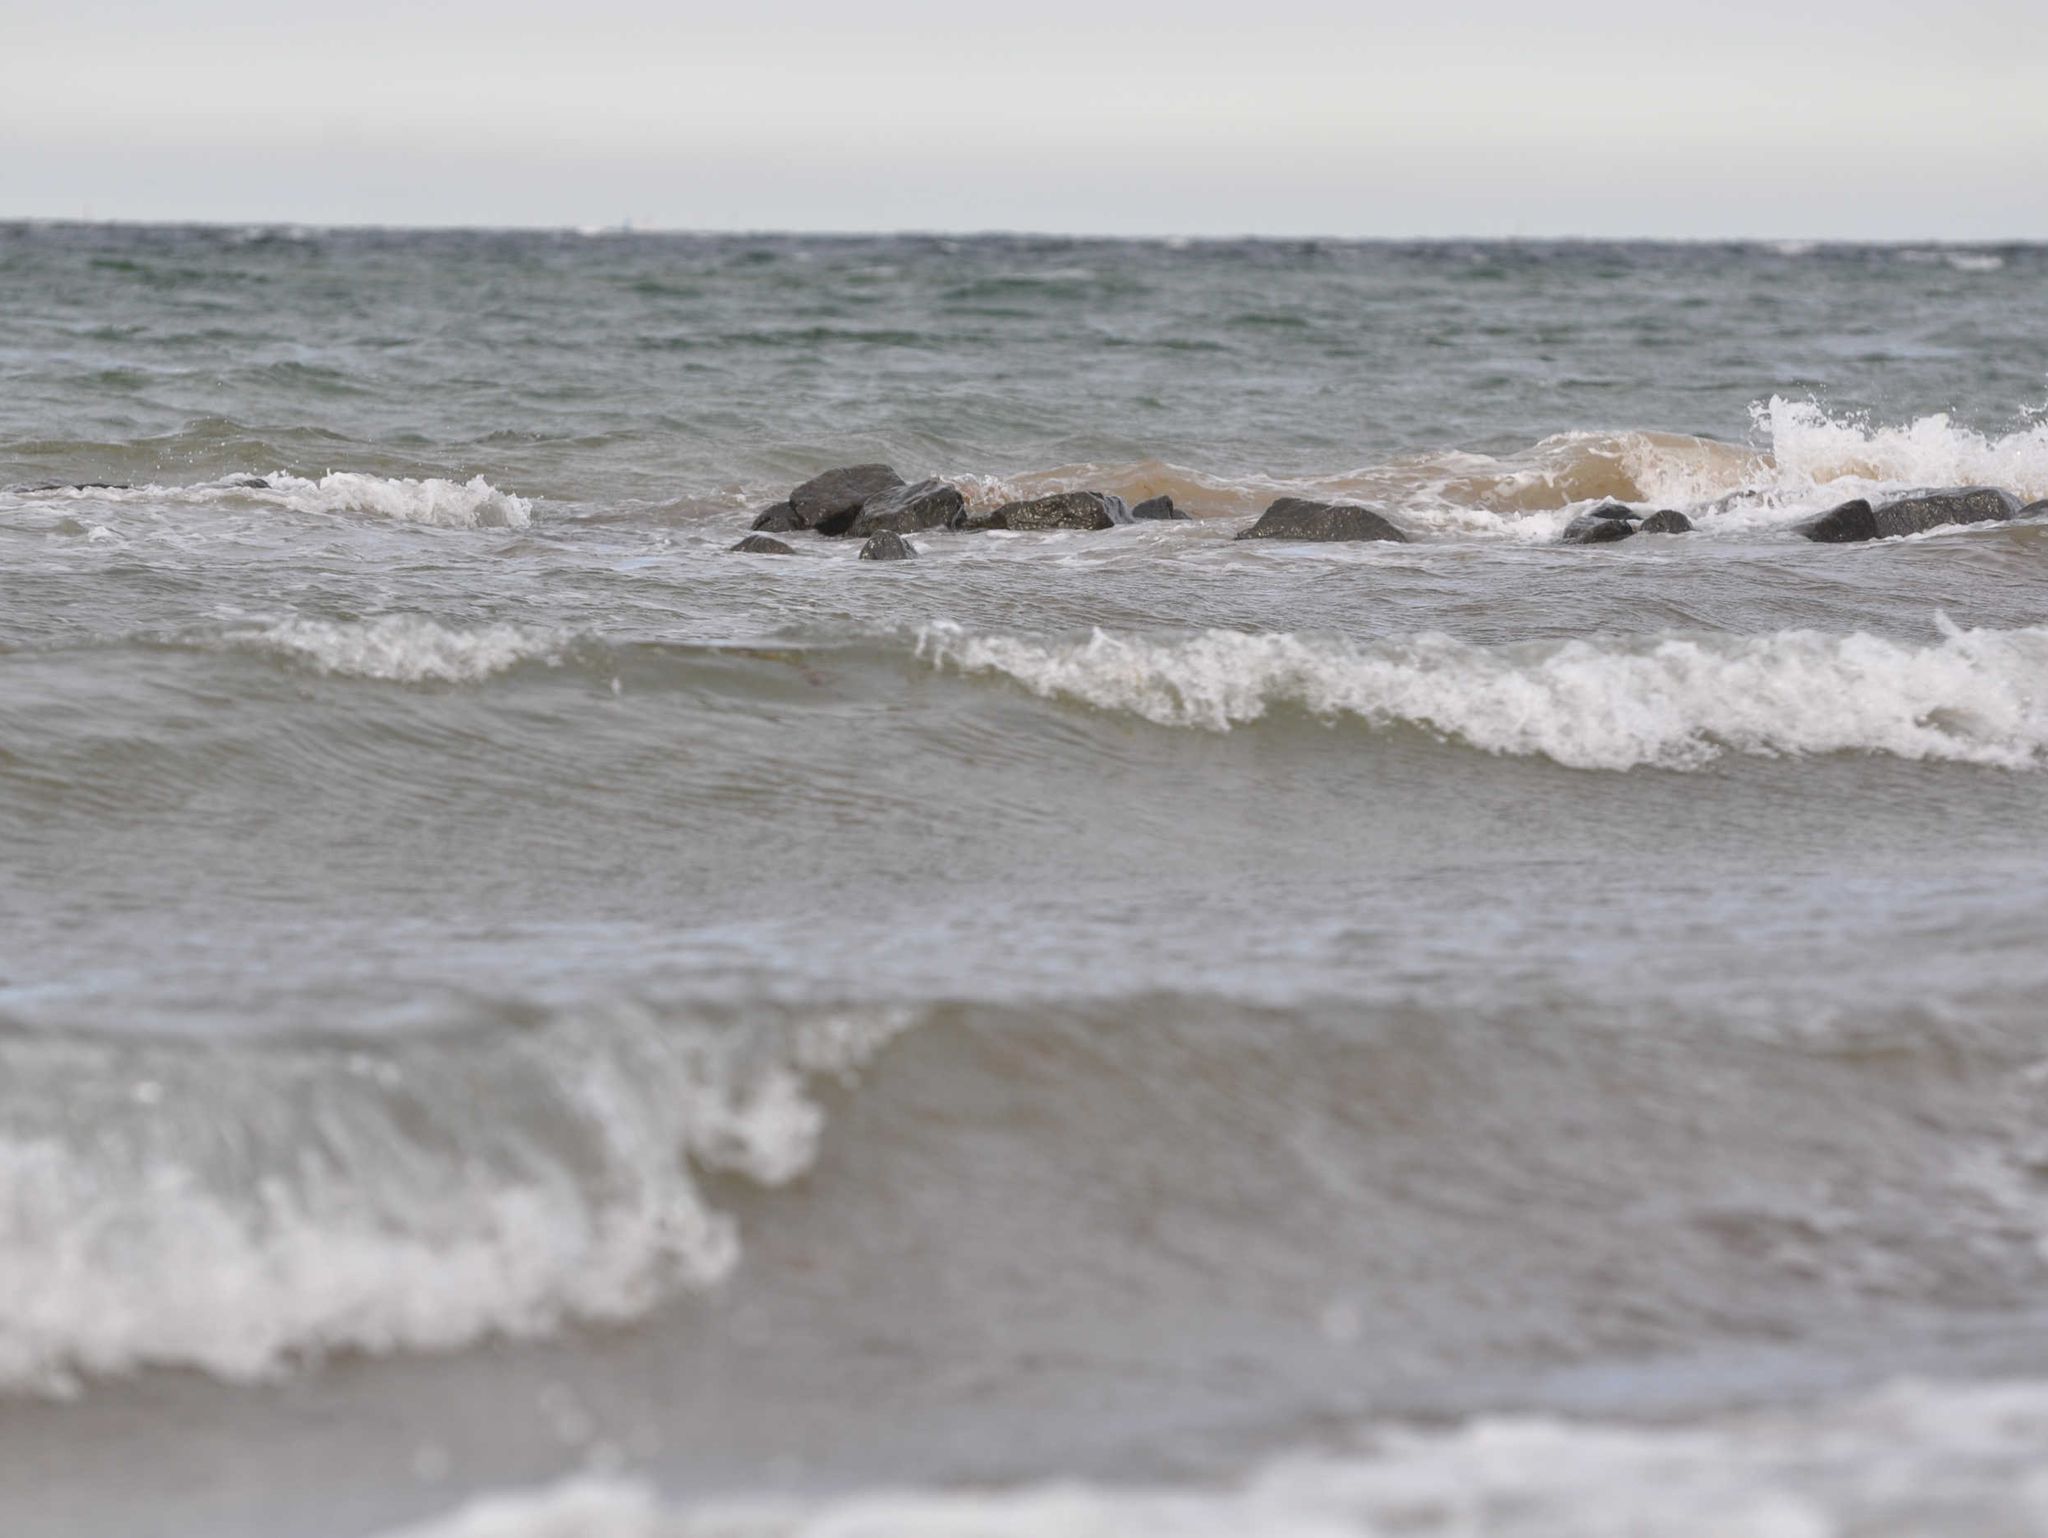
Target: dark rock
{"x": 1157, "y": 510}
{"x": 2034, "y": 510}
{"x": 1298, "y": 518}
{"x": 1068, "y": 510}
{"x": 761, "y": 544}
{"x": 1936, "y": 509}
{"x": 1666, "y": 521}
{"x": 1857, "y": 520}
{"x": 250, "y": 482}
{"x": 1593, "y": 529}
{"x": 830, "y": 502}
{"x": 779, "y": 519}
{"x": 1612, "y": 510}
{"x": 1842, "y": 525}
{"x": 887, "y": 545}
{"x": 927, "y": 505}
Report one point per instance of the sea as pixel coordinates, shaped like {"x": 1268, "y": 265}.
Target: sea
{"x": 517, "y": 1021}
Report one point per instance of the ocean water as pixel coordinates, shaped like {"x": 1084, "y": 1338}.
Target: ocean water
{"x": 516, "y": 1022}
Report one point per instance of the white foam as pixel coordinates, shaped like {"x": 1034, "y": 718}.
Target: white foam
{"x": 1847, "y": 455}
{"x": 471, "y": 504}
{"x": 1677, "y": 702}
{"x": 136, "y": 1248}
{"x": 1909, "y": 1460}
{"x": 404, "y": 648}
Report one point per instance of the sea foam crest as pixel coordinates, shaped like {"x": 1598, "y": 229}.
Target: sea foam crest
{"x": 471, "y": 504}
{"x": 403, "y": 648}
{"x": 1677, "y": 702}
{"x": 463, "y": 1189}
{"x": 1912, "y": 1458}
{"x": 1812, "y": 449}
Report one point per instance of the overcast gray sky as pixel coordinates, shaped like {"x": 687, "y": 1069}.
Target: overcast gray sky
{"x": 1828, "y": 118}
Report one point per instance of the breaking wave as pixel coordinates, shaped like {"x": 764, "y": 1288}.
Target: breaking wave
{"x": 471, "y": 504}
{"x": 1812, "y": 449}
{"x": 403, "y": 648}
{"x": 1912, "y": 1458}
{"x": 1675, "y": 702}
{"x": 248, "y": 1209}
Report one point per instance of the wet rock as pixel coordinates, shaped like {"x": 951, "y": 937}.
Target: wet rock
{"x": 830, "y": 502}
{"x": 761, "y": 544}
{"x": 1665, "y": 521}
{"x": 1595, "y": 529}
{"x": 2034, "y": 510}
{"x": 1936, "y": 509}
{"x": 1612, "y": 510}
{"x": 887, "y": 545}
{"x": 1068, "y": 510}
{"x": 1298, "y": 518}
{"x": 249, "y": 482}
{"x": 1157, "y": 510}
{"x": 927, "y": 505}
{"x": 1857, "y": 520}
{"x": 779, "y": 519}
{"x": 1842, "y": 525}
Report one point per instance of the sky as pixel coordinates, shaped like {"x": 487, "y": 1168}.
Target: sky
{"x": 1832, "y": 119}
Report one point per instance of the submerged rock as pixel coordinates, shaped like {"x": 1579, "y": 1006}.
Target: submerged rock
{"x": 1858, "y": 520}
{"x": 1157, "y": 510}
{"x": 1067, "y": 510}
{"x": 887, "y": 545}
{"x": 927, "y": 505}
{"x": 779, "y": 519}
{"x": 1597, "y": 529}
{"x": 1299, "y": 518}
{"x": 2033, "y": 510}
{"x": 830, "y": 502}
{"x": 1841, "y": 525}
{"x": 761, "y": 544}
{"x": 1665, "y": 521}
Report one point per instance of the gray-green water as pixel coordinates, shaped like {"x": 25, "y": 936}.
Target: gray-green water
{"x": 494, "y": 986}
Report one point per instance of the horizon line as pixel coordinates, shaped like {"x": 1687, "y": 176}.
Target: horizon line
{"x": 594, "y": 231}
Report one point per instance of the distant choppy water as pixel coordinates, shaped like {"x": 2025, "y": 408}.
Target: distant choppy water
{"x": 1461, "y": 1037}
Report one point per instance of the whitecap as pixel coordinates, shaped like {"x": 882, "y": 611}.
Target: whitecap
{"x": 403, "y": 648}
{"x": 1674, "y": 702}
{"x": 559, "y": 1180}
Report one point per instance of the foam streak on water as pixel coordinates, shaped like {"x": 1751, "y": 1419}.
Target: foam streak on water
{"x": 1912, "y": 1460}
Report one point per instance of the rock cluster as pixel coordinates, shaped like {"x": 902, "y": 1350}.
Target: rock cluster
{"x": 1611, "y": 521}
{"x": 875, "y": 504}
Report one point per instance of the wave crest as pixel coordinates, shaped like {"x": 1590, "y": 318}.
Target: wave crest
{"x": 248, "y": 1209}
{"x": 404, "y": 648}
{"x": 471, "y": 504}
{"x": 1909, "y": 1458}
{"x": 1672, "y": 702}
{"x": 1812, "y": 449}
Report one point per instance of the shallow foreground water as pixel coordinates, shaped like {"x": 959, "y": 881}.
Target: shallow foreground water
{"x": 516, "y": 1022}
